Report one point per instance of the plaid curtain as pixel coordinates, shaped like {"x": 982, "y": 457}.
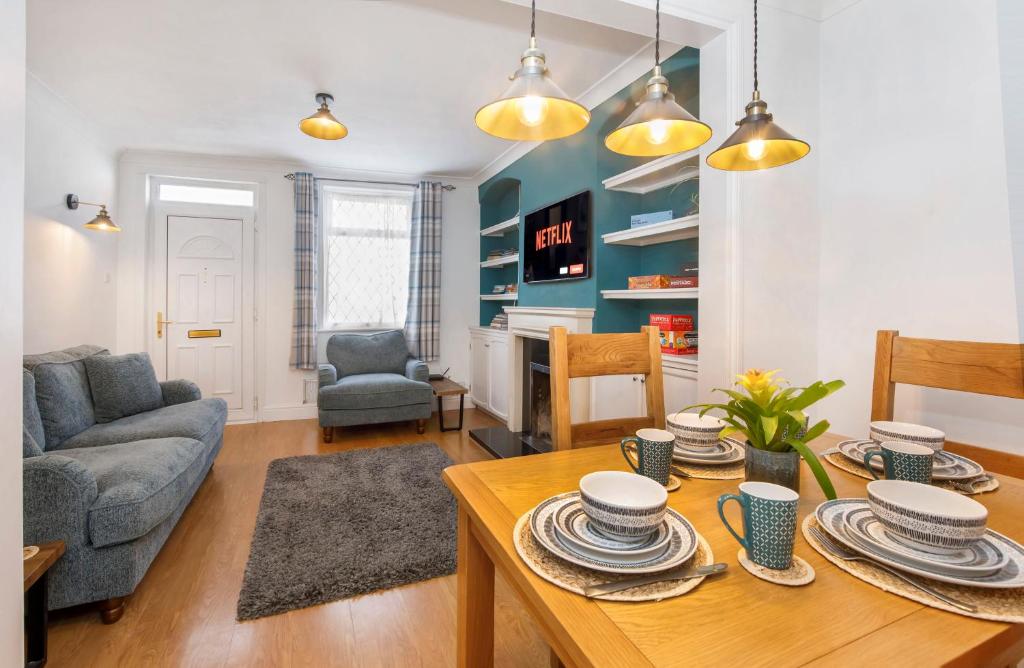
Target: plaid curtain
{"x": 423, "y": 320}
{"x": 307, "y": 243}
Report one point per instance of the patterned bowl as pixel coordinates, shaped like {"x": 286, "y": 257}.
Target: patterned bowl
{"x": 885, "y": 430}
{"x": 623, "y": 504}
{"x": 928, "y": 517}
{"x": 693, "y": 430}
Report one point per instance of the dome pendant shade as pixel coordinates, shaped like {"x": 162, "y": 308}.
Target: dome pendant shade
{"x": 102, "y": 222}
{"x": 533, "y": 107}
{"x": 658, "y": 126}
{"x": 758, "y": 143}
{"x": 323, "y": 124}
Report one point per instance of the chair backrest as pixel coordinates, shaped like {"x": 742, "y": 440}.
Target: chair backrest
{"x": 982, "y": 368}
{"x": 588, "y": 355}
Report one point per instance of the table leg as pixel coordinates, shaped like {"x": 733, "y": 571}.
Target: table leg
{"x": 462, "y": 409}
{"x": 35, "y": 623}
{"x": 476, "y": 600}
{"x": 440, "y": 414}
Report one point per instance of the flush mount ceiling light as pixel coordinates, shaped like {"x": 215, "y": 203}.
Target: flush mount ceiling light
{"x": 658, "y": 126}
{"x": 101, "y": 222}
{"x": 758, "y": 143}
{"x": 533, "y": 107}
{"x": 323, "y": 124}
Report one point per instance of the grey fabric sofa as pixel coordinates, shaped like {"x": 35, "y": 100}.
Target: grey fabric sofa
{"x": 372, "y": 379}
{"x": 112, "y": 488}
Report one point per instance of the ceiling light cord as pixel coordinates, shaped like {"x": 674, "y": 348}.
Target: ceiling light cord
{"x": 533, "y": 18}
{"x": 756, "y": 87}
{"x": 657, "y": 32}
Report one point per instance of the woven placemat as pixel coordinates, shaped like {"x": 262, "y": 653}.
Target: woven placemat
{"x": 841, "y": 461}
{"x": 998, "y": 605}
{"x": 798, "y": 574}
{"x": 730, "y": 472}
{"x": 575, "y": 578}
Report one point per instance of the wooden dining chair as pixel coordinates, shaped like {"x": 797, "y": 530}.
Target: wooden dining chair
{"x": 589, "y": 355}
{"x": 996, "y": 369}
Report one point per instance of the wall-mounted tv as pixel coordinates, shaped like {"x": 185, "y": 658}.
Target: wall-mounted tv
{"x": 556, "y": 241}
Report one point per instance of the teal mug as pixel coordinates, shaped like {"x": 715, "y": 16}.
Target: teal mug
{"x": 769, "y": 522}
{"x": 902, "y": 460}
{"x": 653, "y": 449}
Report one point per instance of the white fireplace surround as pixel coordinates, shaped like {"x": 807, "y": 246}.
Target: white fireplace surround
{"x": 534, "y": 322}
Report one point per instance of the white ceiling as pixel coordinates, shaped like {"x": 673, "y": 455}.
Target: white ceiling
{"x": 235, "y": 76}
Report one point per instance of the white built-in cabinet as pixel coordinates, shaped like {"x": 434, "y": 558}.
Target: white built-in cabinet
{"x": 490, "y": 380}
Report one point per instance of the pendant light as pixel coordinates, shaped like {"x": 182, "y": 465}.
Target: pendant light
{"x": 658, "y": 126}
{"x": 323, "y": 124}
{"x": 758, "y": 143}
{"x": 533, "y": 107}
{"x": 101, "y": 222}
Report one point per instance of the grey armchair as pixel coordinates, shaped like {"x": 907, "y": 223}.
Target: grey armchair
{"x": 369, "y": 380}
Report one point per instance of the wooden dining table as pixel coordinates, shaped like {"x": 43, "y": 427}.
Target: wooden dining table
{"x": 730, "y": 619}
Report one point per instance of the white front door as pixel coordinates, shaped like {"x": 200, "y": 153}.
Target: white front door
{"x": 206, "y": 290}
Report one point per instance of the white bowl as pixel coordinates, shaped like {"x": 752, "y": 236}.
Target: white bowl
{"x": 623, "y": 504}
{"x": 927, "y": 516}
{"x": 693, "y": 430}
{"x": 886, "y": 430}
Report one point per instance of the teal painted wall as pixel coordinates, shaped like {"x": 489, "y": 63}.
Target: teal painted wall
{"x": 557, "y": 169}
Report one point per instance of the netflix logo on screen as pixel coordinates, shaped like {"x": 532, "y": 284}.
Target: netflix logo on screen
{"x": 557, "y": 241}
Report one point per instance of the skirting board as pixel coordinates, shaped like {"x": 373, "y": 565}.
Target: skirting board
{"x": 308, "y": 411}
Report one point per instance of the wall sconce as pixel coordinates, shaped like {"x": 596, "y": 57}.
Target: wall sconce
{"x": 101, "y": 222}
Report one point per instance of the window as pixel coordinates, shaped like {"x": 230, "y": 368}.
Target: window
{"x": 206, "y": 195}
{"x": 365, "y": 265}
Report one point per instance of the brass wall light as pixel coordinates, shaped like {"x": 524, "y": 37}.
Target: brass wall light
{"x": 101, "y": 222}
{"x": 533, "y": 107}
{"x": 758, "y": 143}
{"x": 323, "y": 124}
{"x": 659, "y": 125}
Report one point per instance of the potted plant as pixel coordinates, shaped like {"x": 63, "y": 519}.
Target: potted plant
{"x": 775, "y": 427}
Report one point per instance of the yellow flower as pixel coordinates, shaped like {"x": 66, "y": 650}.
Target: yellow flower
{"x": 761, "y": 385}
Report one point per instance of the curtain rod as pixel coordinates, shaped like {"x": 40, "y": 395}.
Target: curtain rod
{"x": 446, "y": 186}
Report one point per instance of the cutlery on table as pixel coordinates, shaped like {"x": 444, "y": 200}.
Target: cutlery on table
{"x": 679, "y": 472}
{"x": 689, "y": 574}
{"x": 968, "y": 485}
{"x": 842, "y": 552}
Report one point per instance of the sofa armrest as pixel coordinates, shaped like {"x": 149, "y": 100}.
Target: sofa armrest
{"x": 328, "y": 375}
{"x": 57, "y": 493}
{"x": 180, "y": 392}
{"x": 416, "y": 370}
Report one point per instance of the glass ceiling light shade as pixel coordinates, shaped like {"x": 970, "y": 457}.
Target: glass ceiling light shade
{"x": 658, "y": 126}
{"x": 533, "y": 107}
{"x": 758, "y": 143}
{"x": 101, "y": 222}
{"x": 323, "y": 124}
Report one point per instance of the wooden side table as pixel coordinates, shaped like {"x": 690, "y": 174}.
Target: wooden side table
{"x": 36, "y": 568}
{"x": 446, "y": 387}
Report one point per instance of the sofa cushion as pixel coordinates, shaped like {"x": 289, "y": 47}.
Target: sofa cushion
{"x": 62, "y": 392}
{"x": 202, "y": 420}
{"x": 139, "y": 484}
{"x": 374, "y": 390}
{"x": 122, "y": 385}
{"x": 355, "y": 354}
{"x": 32, "y": 435}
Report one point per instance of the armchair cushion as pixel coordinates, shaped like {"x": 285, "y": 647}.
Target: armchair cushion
{"x": 374, "y": 390}
{"x": 122, "y": 385}
{"x": 138, "y": 484}
{"x": 202, "y": 420}
{"x": 179, "y": 392}
{"x": 417, "y": 370}
{"x": 354, "y": 354}
{"x": 63, "y": 396}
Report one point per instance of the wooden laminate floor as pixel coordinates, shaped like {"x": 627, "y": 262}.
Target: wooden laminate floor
{"x": 183, "y": 611}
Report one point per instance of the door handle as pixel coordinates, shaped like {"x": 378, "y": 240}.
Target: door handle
{"x": 160, "y": 322}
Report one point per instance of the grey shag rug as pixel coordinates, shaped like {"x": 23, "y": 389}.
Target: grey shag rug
{"x": 334, "y": 526}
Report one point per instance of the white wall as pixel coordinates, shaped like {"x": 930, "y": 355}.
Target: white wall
{"x": 1011, "y": 61}
{"x": 70, "y": 293}
{"x": 278, "y": 386}
{"x": 914, "y": 221}
{"x": 12, "y": 182}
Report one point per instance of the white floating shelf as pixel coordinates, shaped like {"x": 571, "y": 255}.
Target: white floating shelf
{"x": 656, "y": 174}
{"x": 504, "y": 297}
{"x": 500, "y": 261}
{"x": 655, "y": 233}
{"x": 652, "y": 293}
{"x": 681, "y": 362}
{"x": 501, "y": 228}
